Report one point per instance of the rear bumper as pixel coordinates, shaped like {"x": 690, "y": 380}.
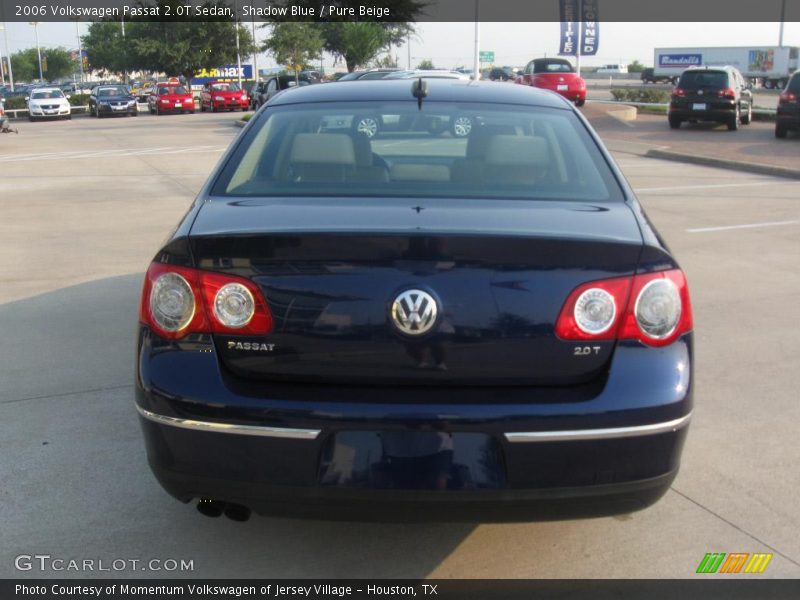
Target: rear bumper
{"x": 717, "y": 112}
{"x": 789, "y": 120}
{"x": 318, "y": 452}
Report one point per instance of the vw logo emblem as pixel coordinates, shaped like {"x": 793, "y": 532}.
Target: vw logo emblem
{"x": 414, "y": 312}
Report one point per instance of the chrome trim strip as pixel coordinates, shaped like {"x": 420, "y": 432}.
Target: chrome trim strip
{"x": 599, "y": 434}
{"x": 212, "y": 427}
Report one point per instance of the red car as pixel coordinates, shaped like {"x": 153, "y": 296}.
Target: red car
{"x": 170, "y": 96}
{"x": 223, "y": 95}
{"x": 555, "y": 74}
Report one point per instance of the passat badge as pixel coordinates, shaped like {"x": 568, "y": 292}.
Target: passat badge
{"x": 414, "y": 312}
{"x": 251, "y": 346}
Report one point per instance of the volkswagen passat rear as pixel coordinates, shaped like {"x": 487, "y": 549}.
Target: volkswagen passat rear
{"x": 415, "y": 325}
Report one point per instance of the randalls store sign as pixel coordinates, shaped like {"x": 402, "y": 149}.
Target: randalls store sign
{"x": 680, "y": 60}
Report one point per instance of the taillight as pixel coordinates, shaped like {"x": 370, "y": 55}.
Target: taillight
{"x": 678, "y": 92}
{"x": 177, "y": 301}
{"x": 727, "y": 93}
{"x": 787, "y": 97}
{"x": 653, "y": 308}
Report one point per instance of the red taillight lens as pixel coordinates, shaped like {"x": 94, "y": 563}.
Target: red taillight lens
{"x": 653, "y": 308}
{"x": 678, "y": 92}
{"x": 787, "y": 97}
{"x": 177, "y": 301}
{"x": 727, "y": 93}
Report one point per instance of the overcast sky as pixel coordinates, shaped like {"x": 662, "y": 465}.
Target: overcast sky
{"x": 450, "y": 45}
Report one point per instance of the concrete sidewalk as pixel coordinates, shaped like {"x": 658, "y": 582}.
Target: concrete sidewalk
{"x": 753, "y": 148}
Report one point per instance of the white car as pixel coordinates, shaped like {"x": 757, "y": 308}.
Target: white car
{"x": 48, "y": 103}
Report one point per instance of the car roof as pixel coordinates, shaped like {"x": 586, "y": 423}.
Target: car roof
{"x": 439, "y": 90}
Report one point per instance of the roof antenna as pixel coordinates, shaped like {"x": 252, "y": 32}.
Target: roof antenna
{"x": 419, "y": 89}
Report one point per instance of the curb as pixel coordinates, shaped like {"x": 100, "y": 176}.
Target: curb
{"x": 736, "y": 165}
{"x": 239, "y": 123}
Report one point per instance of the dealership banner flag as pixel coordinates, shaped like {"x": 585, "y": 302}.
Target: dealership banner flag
{"x": 568, "y": 11}
{"x": 572, "y": 12}
{"x": 590, "y": 31}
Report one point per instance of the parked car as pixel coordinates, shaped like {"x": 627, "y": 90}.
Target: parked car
{"x": 556, "y": 74}
{"x": 223, "y": 95}
{"x": 111, "y": 100}
{"x": 170, "y": 97}
{"x": 346, "y": 328}
{"x": 615, "y": 69}
{"x": 4, "y": 128}
{"x": 648, "y": 76}
{"x": 48, "y": 103}
{"x": 788, "y": 116}
{"x": 502, "y": 74}
{"x": 427, "y": 74}
{"x": 718, "y": 94}
{"x": 367, "y": 75}
{"x": 144, "y": 92}
{"x": 266, "y": 89}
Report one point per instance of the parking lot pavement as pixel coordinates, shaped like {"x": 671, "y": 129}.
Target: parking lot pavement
{"x": 753, "y": 144}
{"x": 79, "y": 230}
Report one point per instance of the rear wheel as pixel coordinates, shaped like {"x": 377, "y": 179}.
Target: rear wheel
{"x": 781, "y": 130}
{"x": 580, "y": 101}
{"x": 733, "y": 124}
{"x": 747, "y": 118}
{"x": 674, "y": 123}
{"x": 462, "y": 126}
{"x": 368, "y": 125}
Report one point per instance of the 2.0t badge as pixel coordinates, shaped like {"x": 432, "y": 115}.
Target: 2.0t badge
{"x": 414, "y": 312}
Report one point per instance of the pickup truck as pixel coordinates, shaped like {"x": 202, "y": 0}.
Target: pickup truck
{"x": 649, "y": 76}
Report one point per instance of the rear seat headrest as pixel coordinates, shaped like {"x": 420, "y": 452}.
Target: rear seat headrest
{"x": 517, "y": 150}
{"x": 323, "y": 148}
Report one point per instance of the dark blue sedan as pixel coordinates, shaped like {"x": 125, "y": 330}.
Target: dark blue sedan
{"x": 415, "y": 325}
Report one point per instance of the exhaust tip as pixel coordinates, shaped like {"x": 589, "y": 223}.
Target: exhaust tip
{"x": 210, "y": 508}
{"x": 236, "y": 512}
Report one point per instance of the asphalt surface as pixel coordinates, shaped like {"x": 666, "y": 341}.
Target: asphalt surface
{"x": 86, "y": 203}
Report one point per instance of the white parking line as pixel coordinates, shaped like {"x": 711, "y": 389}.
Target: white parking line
{"x": 746, "y": 226}
{"x": 709, "y": 186}
{"x": 111, "y": 153}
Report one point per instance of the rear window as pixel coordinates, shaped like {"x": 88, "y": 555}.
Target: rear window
{"x": 552, "y": 67}
{"x": 112, "y": 91}
{"x": 171, "y": 90}
{"x": 794, "y": 84}
{"x": 47, "y": 94}
{"x": 394, "y": 149}
{"x": 225, "y": 87}
{"x": 704, "y": 79}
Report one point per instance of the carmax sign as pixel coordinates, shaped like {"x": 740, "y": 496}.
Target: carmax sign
{"x": 680, "y": 61}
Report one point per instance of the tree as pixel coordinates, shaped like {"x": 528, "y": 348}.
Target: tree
{"x": 56, "y": 63}
{"x": 106, "y": 49}
{"x": 426, "y": 65}
{"x": 356, "y": 43}
{"x": 294, "y": 44}
{"x": 635, "y": 67}
{"x": 185, "y": 46}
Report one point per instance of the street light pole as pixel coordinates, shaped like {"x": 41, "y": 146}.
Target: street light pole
{"x": 238, "y": 53}
{"x": 783, "y": 18}
{"x": 38, "y": 49}
{"x": 10, "y": 71}
{"x": 476, "y": 56}
{"x": 255, "y": 49}
{"x": 80, "y": 49}
{"x": 2, "y": 66}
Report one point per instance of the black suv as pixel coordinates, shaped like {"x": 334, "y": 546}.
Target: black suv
{"x": 264, "y": 90}
{"x": 789, "y": 107}
{"x": 717, "y": 94}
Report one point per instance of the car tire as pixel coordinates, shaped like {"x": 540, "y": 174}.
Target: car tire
{"x": 781, "y": 130}
{"x": 747, "y": 118}
{"x": 674, "y": 123}
{"x": 733, "y": 124}
{"x": 191, "y": 112}
{"x": 68, "y": 117}
{"x": 366, "y": 124}
{"x": 461, "y": 126}
{"x": 580, "y": 101}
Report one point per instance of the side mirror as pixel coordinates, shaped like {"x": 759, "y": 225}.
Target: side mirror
{"x": 27, "y": 98}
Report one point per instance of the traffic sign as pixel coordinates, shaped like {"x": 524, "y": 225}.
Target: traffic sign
{"x": 486, "y": 56}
